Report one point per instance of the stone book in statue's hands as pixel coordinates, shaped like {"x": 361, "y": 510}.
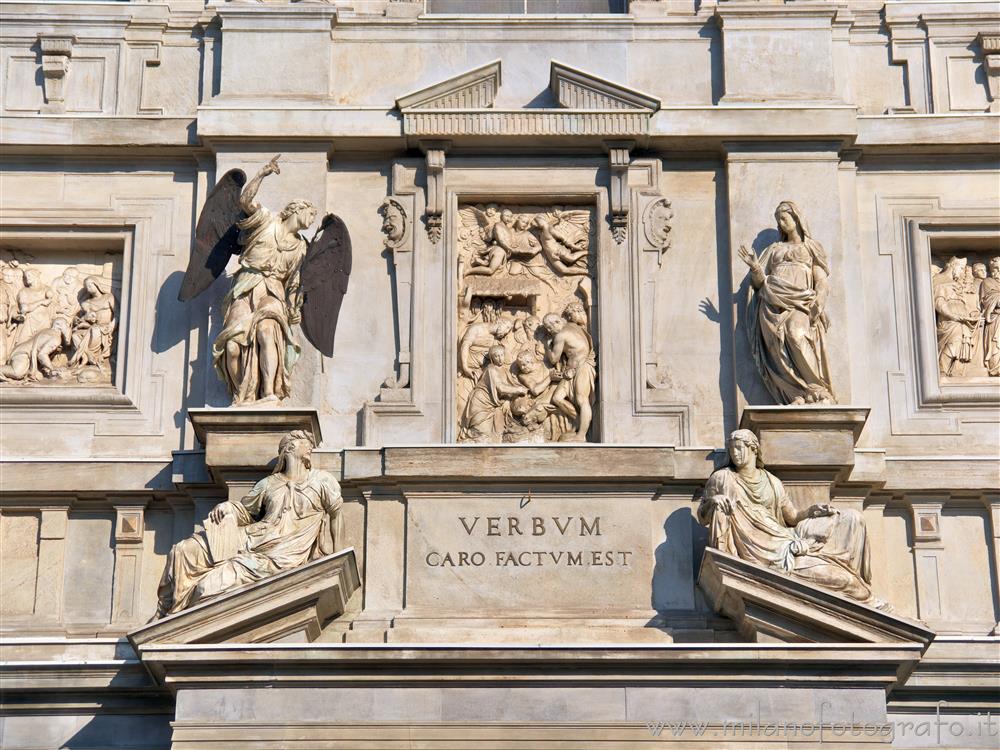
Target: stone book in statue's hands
{"x": 223, "y": 538}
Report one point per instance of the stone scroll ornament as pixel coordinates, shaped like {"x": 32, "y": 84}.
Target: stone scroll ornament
{"x": 786, "y": 314}
{"x": 282, "y": 280}
{"x": 288, "y": 519}
{"x": 56, "y": 332}
{"x": 749, "y": 515}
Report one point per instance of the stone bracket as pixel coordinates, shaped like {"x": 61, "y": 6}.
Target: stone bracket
{"x": 56, "y": 53}
{"x": 245, "y": 440}
{"x": 619, "y": 158}
{"x": 990, "y": 44}
{"x": 434, "y": 213}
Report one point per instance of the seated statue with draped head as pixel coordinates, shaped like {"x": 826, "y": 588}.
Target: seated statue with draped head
{"x": 290, "y": 518}
{"x": 749, "y": 515}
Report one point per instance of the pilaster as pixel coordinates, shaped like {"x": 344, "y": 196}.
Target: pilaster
{"x": 129, "y": 532}
{"x": 928, "y": 549}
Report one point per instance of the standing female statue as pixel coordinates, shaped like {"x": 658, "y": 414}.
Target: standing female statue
{"x": 786, "y": 319}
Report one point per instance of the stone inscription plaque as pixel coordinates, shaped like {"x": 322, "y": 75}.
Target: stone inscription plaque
{"x": 528, "y": 553}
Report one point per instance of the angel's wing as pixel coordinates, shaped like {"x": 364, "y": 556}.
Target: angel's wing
{"x": 572, "y": 228}
{"x": 324, "y": 276}
{"x": 578, "y": 218}
{"x": 215, "y": 235}
{"x": 470, "y": 236}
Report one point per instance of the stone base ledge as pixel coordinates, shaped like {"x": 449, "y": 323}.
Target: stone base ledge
{"x": 768, "y": 605}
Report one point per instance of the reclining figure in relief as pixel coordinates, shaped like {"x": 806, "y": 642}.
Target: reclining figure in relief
{"x": 282, "y": 280}
{"x": 750, "y": 516}
{"x": 290, "y": 518}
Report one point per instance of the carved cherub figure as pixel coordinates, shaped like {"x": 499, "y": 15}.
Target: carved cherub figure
{"x": 565, "y": 238}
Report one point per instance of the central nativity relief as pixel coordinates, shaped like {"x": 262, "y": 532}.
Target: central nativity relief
{"x": 527, "y": 364}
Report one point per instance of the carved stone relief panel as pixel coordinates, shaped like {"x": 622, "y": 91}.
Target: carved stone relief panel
{"x": 58, "y": 317}
{"x": 527, "y": 366}
{"x": 966, "y": 295}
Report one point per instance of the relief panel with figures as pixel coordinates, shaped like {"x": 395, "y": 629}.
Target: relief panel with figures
{"x": 527, "y": 367}
{"x": 58, "y": 317}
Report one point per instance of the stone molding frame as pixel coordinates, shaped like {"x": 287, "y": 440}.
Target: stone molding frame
{"x": 139, "y": 228}
{"x": 907, "y": 225}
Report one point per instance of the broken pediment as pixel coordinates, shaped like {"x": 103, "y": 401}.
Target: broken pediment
{"x": 769, "y": 606}
{"x": 475, "y": 89}
{"x": 577, "y": 89}
{"x": 588, "y": 106}
{"x": 294, "y": 606}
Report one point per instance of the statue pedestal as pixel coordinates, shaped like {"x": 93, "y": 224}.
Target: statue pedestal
{"x": 241, "y": 444}
{"x": 239, "y": 438}
{"x": 811, "y": 448}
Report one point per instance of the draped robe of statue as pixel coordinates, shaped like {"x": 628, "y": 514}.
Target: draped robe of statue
{"x": 954, "y": 335}
{"x": 989, "y": 303}
{"x": 282, "y": 524}
{"x": 790, "y": 368}
{"x": 265, "y": 288}
{"x": 833, "y": 550}
{"x": 488, "y": 406}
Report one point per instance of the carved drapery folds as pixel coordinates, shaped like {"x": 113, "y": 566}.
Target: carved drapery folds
{"x": 967, "y": 311}
{"x": 527, "y": 365}
{"x": 57, "y": 322}
{"x": 749, "y": 515}
{"x": 283, "y": 280}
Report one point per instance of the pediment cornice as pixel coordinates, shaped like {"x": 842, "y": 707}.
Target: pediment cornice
{"x": 588, "y": 105}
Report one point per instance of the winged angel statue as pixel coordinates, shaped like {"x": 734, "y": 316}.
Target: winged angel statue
{"x": 282, "y": 280}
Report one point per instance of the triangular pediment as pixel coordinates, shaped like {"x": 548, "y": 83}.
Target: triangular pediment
{"x": 577, "y": 89}
{"x": 293, "y": 606}
{"x": 474, "y": 89}
{"x": 769, "y": 605}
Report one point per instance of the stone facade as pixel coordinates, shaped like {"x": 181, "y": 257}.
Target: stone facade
{"x": 557, "y": 281}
